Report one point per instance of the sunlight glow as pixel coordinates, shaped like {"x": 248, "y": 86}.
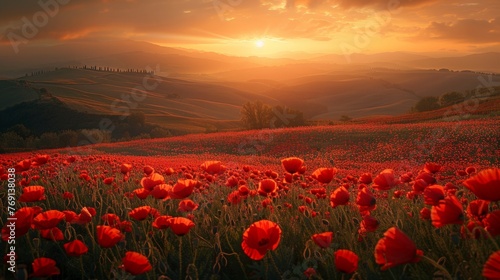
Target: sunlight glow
{"x": 259, "y": 44}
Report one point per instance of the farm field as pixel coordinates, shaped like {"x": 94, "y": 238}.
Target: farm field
{"x": 353, "y": 201}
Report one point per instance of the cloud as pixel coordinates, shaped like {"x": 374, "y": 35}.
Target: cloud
{"x": 464, "y": 30}
{"x": 221, "y": 21}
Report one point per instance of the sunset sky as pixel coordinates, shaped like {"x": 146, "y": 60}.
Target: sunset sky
{"x": 264, "y": 27}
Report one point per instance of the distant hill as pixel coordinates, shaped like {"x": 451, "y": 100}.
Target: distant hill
{"x": 175, "y": 104}
{"x": 192, "y": 105}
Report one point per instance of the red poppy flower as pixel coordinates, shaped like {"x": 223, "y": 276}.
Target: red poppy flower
{"x": 427, "y": 177}
{"x": 477, "y": 209}
{"x": 169, "y": 171}
{"x": 419, "y": 186}
{"x": 346, "y": 261}
{"x": 231, "y": 182}
{"x": 48, "y": 219}
{"x": 32, "y": 194}
{"x": 108, "y": 181}
{"x": 369, "y": 223}
{"x": 183, "y": 188}
{"x": 142, "y": 212}
{"x": 40, "y": 160}
{"x": 260, "y": 237}
{"x": 187, "y": 205}
{"x": 234, "y": 197}
{"x": 161, "y": 191}
{"x": 162, "y": 222}
{"x": 433, "y": 194}
{"x": 469, "y": 170}
{"x": 492, "y": 223}
{"x": 365, "y": 200}
{"x": 448, "y": 211}
{"x": 75, "y": 248}
{"x": 125, "y": 226}
{"x": 213, "y": 167}
{"x": 340, "y": 196}
{"x": 24, "y": 220}
{"x": 396, "y": 248}
{"x": 151, "y": 181}
{"x": 141, "y": 193}
{"x": 309, "y": 272}
{"x": 86, "y": 215}
{"x": 70, "y": 216}
{"x": 54, "y": 234}
{"x": 243, "y": 190}
{"x": 148, "y": 170}
{"x": 365, "y": 178}
{"x": 267, "y": 187}
{"x": 324, "y": 239}
{"x": 23, "y": 165}
{"x": 180, "y": 225}
{"x": 125, "y": 168}
{"x": 491, "y": 269}
{"x": 425, "y": 214}
{"x": 324, "y": 175}
{"x": 107, "y": 236}
{"x": 68, "y": 196}
{"x": 485, "y": 184}
{"x": 473, "y": 229}
{"x": 135, "y": 263}
{"x": 110, "y": 219}
{"x": 432, "y": 167}
{"x": 44, "y": 267}
{"x": 385, "y": 180}
{"x": 292, "y": 164}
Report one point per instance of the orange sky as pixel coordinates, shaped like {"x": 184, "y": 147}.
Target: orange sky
{"x": 234, "y": 26}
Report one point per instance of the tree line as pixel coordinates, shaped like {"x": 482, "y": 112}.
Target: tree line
{"x": 430, "y": 103}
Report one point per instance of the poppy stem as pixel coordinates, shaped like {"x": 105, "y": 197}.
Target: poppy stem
{"x": 438, "y": 266}
{"x": 274, "y": 264}
{"x": 180, "y": 257}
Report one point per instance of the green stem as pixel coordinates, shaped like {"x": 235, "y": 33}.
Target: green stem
{"x": 438, "y": 266}
{"x": 180, "y": 257}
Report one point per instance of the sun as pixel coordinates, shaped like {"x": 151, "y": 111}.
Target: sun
{"x": 259, "y": 43}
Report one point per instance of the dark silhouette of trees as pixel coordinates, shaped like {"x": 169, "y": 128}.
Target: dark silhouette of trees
{"x": 451, "y": 98}
{"x": 258, "y": 115}
{"x": 428, "y": 103}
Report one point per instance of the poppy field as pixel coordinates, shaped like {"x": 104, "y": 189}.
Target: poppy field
{"x": 352, "y": 201}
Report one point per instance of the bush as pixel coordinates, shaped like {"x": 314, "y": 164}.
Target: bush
{"x": 428, "y": 103}
{"x": 257, "y": 115}
{"x": 451, "y": 98}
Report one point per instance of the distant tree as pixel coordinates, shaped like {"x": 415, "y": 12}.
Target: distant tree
{"x": 21, "y": 130}
{"x": 451, "y": 98}
{"x": 48, "y": 140}
{"x": 428, "y": 103}
{"x": 160, "y": 132}
{"x": 286, "y": 117}
{"x": 11, "y": 140}
{"x": 256, "y": 115}
{"x": 68, "y": 138}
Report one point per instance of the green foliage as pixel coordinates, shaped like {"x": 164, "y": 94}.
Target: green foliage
{"x": 257, "y": 115}
{"x": 451, "y": 98}
{"x": 428, "y": 103}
